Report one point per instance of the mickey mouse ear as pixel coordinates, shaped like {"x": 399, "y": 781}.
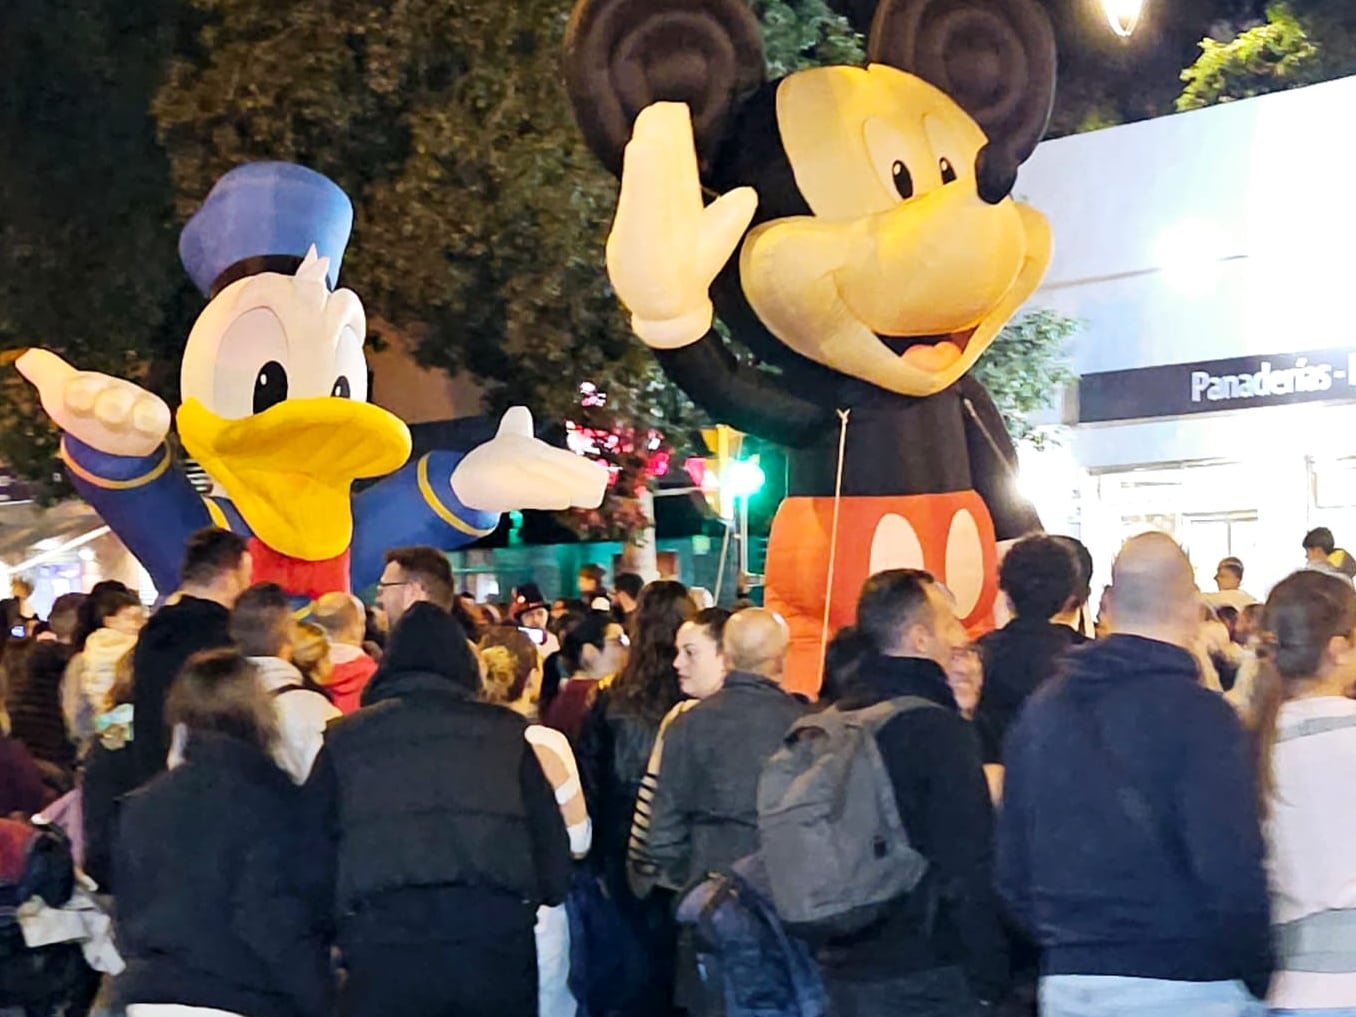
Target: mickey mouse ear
{"x": 623, "y": 55}
{"x": 995, "y": 58}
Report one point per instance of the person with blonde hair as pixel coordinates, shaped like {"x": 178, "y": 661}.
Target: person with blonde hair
{"x": 219, "y": 908}
{"x": 512, "y": 677}
{"x": 263, "y": 628}
{"x": 311, "y": 656}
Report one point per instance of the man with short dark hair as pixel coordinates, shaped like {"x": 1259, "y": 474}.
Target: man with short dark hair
{"x": 1039, "y": 577}
{"x": 1129, "y": 844}
{"x": 941, "y": 949}
{"x": 626, "y": 594}
{"x": 1318, "y": 543}
{"x": 415, "y": 574}
{"x": 1229, "y": 579}
{"x": 1319, "y": 553}
{"x": 262, "y": 626}
{"x": 216, "y": 569}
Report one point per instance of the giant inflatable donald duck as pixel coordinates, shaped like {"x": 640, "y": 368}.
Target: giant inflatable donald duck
{"x": 274, "y": 390}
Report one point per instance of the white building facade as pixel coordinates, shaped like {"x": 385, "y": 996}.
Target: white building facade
{"x": 1211, "y": 258}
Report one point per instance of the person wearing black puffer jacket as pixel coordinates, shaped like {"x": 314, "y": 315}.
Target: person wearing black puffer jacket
{"x": 443, "y": 836}
{"x": 218, "y": 906}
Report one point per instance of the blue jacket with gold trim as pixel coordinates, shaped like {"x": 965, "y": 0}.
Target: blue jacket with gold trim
{"x": 149, "y": 502}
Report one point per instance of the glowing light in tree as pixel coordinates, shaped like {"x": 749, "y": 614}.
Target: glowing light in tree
{"x": 1123, "y": 15}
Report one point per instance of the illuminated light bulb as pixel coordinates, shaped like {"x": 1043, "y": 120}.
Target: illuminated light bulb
{"x": 1123, "y": 15}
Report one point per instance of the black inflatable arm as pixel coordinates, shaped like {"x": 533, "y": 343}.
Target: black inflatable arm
{"x": 993, "y": 464}
{"x": 741, "y": 396}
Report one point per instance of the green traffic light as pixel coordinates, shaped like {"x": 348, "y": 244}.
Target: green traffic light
{"x": 744, "y": 478}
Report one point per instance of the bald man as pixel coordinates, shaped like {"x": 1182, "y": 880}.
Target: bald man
{"x": 1129, "y": 842}
{"x": 344, "y": 619}
{"x": 705, "y": 811}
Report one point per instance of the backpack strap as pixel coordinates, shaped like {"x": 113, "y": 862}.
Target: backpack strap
{"x": 282, "y": 690}
{"x": 1323, "y": 942}
{"x": 1315, "y": 726}
{"x": 875, "y": 717}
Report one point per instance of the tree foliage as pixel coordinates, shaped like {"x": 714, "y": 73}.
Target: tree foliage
{"x": 1265, "y": 58}
{"x": 1026, "y": 367}
{"x": 87, "y": 252}
{"x": 481, "y": 216}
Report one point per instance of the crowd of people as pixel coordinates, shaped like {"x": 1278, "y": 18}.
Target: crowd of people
{"x": 433, "y": 806}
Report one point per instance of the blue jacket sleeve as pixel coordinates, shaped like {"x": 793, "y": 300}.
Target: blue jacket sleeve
{"x": 1221, "y": 831}
{"x": 414, "y": 505}
{"x": 147, "y": 501}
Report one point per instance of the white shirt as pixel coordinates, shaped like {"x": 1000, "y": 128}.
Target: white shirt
{"x": 302, "y": 716}
{"x": 1312, "y": 864}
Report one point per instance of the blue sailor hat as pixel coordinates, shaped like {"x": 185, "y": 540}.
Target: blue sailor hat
{"x": 264, "y": 217}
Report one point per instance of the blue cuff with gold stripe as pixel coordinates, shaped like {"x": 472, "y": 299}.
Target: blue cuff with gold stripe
{"x": 434, "y": 473}
{"x": 112, "y": 472}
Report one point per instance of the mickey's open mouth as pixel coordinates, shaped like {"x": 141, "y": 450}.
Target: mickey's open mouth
{"x": 932, "y": 353}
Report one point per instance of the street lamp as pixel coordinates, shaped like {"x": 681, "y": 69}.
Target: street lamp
{"x": 1123, "y": 15}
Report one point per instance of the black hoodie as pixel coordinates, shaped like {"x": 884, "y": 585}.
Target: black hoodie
{"x": 441, "y": 823}
{"x": 933, "y": 760}
{"x": 1129, "y": 842}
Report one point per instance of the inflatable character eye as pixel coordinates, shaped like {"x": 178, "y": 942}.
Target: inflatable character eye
{"x": 250, "y": 372}
{"x": 270, "y": 386}
{"x": 350, "y": 367}
{"x": 903, "y": 179}
{"x": 948, "y": 171}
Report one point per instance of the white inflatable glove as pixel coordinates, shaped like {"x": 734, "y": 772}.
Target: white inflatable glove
{"x": 665, "y": 247}
{"x": 517, "y": 471}
{"x": 108, "y": 414}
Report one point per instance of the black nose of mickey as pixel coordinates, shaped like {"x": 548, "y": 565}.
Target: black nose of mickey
{"x": 995, "y": 173}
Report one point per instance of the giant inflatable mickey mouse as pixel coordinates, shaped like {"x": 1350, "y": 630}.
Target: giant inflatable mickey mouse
{"x": 274, "y": 387}
{"x": 854, "y": 227}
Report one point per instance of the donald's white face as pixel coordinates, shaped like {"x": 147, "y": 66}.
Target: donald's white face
{"x": 274, "y": 387}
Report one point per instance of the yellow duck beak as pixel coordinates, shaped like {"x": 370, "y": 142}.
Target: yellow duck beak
{"x": 289, "y": 470}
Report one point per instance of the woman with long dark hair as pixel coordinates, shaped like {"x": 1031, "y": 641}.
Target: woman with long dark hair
{"x": 614, "y": 747}
{"x": 1306, "y": 753}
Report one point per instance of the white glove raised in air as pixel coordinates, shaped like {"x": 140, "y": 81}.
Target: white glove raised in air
{"x": 665, "y": 247}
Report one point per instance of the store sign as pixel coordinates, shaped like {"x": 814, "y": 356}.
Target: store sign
{"x": 1214, "y": 385}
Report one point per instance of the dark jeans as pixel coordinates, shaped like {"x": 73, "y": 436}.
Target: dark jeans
{"x": 939, "y": 993}
{"x": 439, "y": 980}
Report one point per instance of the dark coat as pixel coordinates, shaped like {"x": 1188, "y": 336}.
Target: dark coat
{"x": 441, "y": 824}
{"x": 1129, "y": 840}
{"x": 218, "y": 904}
{"x": 35, "y": 705}
{"x": 613, "y": 753}
{"x": 704, "y": 816}
{"x": 933, "y": 760}
{"x": 1018, "y": 658}
{"x": 109, "y": 775}
{"x": 21, "y": 786}
{"x": 173, "y": 634}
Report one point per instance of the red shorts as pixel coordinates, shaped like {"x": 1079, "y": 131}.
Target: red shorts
{"x": 950, "y": 535}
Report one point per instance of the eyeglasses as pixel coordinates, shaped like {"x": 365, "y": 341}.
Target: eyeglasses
{"x": 387, "y": 586}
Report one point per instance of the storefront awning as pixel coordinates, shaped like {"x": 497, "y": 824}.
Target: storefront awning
{"x": 28, "y": 531}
